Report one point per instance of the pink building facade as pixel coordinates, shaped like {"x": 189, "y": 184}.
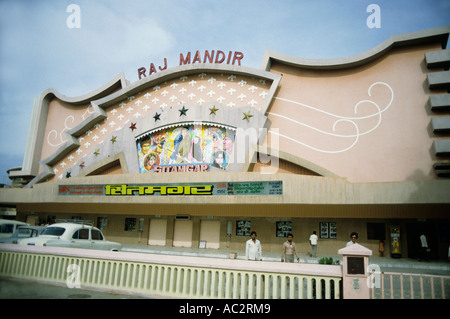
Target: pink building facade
{"x": 210, "y": 150}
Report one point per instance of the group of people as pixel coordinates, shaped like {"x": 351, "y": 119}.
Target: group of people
{"x": 253, "y": 250}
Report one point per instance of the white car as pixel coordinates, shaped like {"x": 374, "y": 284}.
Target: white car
{"x": 8, "y": 227}
{"x": 73, "y": 236}
{"x": 23, "y": 232}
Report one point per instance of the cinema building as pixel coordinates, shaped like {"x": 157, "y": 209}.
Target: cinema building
{"x": 202, "y": 153}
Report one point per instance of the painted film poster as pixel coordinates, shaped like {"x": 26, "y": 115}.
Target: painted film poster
{"x": 196, "y": 148}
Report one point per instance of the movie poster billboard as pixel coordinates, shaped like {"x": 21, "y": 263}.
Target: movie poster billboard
{"x": 195, "y": 148}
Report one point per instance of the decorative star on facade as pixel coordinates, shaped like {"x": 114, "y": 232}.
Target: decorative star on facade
{"x": 68, "y": 175}
{"x": 132, "y": 126}
{"x": 97, "y": 152}
{"x": 156, "y": 117}
{"x": 82, "y": 165}
{"x": 183, "y": 111}
{"x": 113, "y": 139}
{"x": 247, "y": 116}
{"x": 213, "y": 110}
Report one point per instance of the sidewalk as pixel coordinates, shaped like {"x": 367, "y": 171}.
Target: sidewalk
{"x": 386, "y": 264}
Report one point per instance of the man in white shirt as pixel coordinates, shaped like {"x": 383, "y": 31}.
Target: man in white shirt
{"x": 253, "y": 249}
{"x": 423, "y": 247}
{"x": 313, "y": 243}
{"x": 354, "y": 237}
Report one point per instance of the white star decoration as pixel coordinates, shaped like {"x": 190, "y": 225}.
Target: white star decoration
{"x": 199, "y": 89}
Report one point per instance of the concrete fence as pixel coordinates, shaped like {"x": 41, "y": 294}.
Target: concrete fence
{"x": 171, "y": 276}
{"x": 411, "y": 286}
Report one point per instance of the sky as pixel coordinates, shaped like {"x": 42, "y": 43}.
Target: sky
{"x": 77, "y": 49}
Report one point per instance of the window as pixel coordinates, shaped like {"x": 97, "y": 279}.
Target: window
{"x": 6, "y": 228}
{"x": 81, "y": 234}
{"x": 376, "y": 231}
{"x": 25, "y": 232}
{"x": 283, "y": 229}
{"x": 130, "y": 224}
{"x": 84, "y": 233}
{"x": 328, "y": 230}
{"x": 54, "y": 231}
{"x": 96, "y": 235}
{"x": 243, "y": 228}
{"x": 102, "y": 223}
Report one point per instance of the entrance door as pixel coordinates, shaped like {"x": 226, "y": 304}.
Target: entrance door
{"x": 210, "y": 232}
{"x": 32, "y": 220}
{"x": 414, "y": 230}
{"x": 157, "y": 232}
{"x": 182, "y": 233}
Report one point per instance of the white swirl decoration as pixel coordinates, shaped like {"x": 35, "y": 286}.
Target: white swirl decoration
{"x": 353, "y": 120}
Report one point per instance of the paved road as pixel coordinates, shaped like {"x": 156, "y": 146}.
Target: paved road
{"x": 25, "y": 289}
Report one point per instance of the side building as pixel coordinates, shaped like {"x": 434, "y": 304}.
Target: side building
{"x": 204, "y": 153}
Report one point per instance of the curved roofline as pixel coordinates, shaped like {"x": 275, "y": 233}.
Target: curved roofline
{"x": 39, "y": 115}
{"x": 117, "y": 83}
{"x": 111, "y": 93}
{"x": 414, "y": 38}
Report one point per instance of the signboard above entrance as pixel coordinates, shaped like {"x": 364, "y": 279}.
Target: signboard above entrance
{"x": 194, "y": 189}
{"x": 218, "y": 57}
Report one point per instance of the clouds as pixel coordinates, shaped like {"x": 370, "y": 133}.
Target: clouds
{"x": 121, "y": 37}
{"x": 39, "y": 40}
{"x": 110, "y": 45}
{"x": 38, "y": 50}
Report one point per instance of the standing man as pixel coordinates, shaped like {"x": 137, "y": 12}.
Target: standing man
{"x": 289, "y": 250}
{"x": 354, "y": 237}
{"x": 381, "y": 248}
{"x": 253, "y": 249}
{"x": 313, "y": 243}
{"x": 423, "y": 247}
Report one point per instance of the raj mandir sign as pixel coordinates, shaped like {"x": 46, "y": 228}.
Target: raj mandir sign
{"x": 213, "y": 57}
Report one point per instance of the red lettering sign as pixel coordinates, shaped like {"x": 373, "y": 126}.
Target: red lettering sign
{"x": 209, "y": 57}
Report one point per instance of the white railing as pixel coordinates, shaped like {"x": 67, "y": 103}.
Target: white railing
{"x": 171, "y": 276}
{"x": 411, "y": 286}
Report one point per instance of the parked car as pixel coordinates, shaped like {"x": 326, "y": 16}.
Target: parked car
{"x": 8, "y": 227}
{"x": 72, "y": 235}
{"x": 23, "y": 232}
